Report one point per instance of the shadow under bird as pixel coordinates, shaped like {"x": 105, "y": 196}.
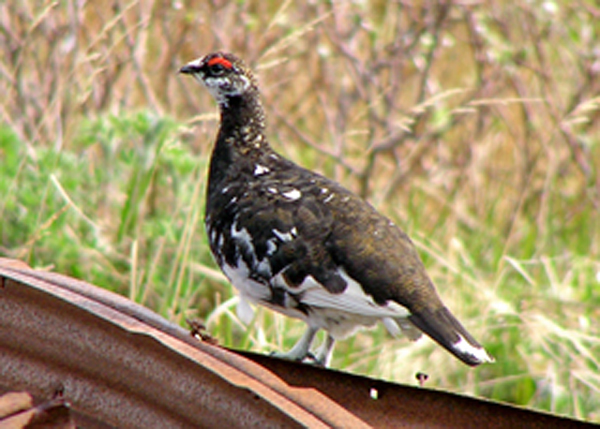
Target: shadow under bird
{"x": 301, "y": 244}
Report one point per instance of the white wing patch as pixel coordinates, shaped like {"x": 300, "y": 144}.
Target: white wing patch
{"x": 341, "y": 314}
{"x": 352, "y": 300}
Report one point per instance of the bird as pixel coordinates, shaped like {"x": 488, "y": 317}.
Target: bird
{"x": 301, "y": 244}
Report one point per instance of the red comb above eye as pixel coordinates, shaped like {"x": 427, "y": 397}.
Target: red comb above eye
{"x": 220, "y": 60}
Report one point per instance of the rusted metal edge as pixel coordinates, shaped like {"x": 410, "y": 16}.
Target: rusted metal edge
{"x": 399, "y": 405}
{"x": 122, "y": 365}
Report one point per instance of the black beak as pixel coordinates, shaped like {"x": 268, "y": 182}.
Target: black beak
{"x": 189, "y": 69}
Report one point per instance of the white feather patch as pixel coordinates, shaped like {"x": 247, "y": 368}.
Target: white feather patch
{"x": 343, "y": 313}
{"x": 250, "y": 290}
{"x": 259, "y": 170}
{"x": 464, "y": 347}
{"x": 353, "y": 300}
{"x": 292, "y": 195}
{"x": 284, "y": 236}
{"x": 241, "y": 235}
{"x": 271, "y": 246}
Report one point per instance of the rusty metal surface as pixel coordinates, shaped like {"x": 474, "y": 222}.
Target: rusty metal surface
{"x": 407, "y": 406}
{"x": 121, "y": 365}
{"x": 114, "y": 364}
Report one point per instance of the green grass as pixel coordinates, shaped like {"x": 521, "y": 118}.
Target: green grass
{"x": 474, "y": 128}
{"x": 536, "y": 315}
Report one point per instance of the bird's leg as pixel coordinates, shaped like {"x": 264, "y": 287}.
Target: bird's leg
{"x": 325, "y": 351}
{"x": 301, "y": 349}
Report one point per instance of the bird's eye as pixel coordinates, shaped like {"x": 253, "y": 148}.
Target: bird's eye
{"x": 217, "y": 69}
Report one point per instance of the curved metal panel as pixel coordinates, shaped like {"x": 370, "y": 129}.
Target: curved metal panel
{"x": 113, "y": 363}
{"x": 121, "y": 365}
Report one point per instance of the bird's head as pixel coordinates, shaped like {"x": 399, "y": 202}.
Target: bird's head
{"x": 224, "y": 75}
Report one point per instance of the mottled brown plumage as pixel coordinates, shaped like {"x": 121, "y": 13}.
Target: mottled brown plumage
{"x": 301, "y": 244}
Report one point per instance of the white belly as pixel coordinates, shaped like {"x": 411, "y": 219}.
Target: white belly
{"x": 340, "y": 314}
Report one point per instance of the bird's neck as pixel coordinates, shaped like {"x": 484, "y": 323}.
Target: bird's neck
{"x": 241, "y": 141}
{"x": 242, "y": 122}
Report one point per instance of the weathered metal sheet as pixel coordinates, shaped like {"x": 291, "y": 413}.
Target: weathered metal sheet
{"x": 407, "y": 406}
{"x": 113, "y": 361}
{"x": 120, "y": 365}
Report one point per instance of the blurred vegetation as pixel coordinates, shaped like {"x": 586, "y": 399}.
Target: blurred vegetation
{"x": 474, "y": 125}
